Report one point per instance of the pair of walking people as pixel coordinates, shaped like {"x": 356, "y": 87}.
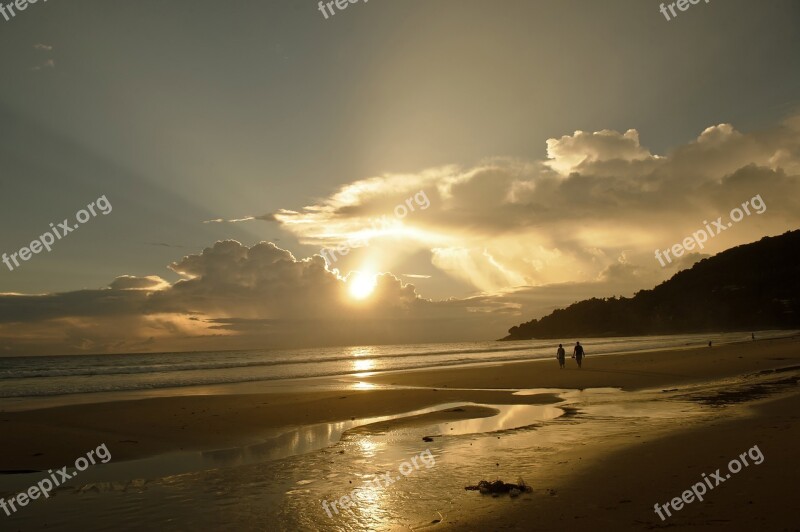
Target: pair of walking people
{"x": 577, "y": 354}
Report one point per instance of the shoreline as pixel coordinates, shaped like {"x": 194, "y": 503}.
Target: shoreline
{"x": 338, "y": 382}
{"x": 628, "y": 371}
{"x": 46, "y": 437}
{"x": 594, "y": 454}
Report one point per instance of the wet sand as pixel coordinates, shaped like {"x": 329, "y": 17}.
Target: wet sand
{"x": 613, "y": 483}
{"x": 43, "y": 438}
{"x": 611, "y": 480}
{"x": 629, "y": 372}
{"x": 52, "y": 437}
{"x": 38, "y": 439}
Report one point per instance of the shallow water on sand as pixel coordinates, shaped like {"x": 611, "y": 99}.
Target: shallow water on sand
{"x": 251, "y": 489}
{"x": 299, "y": 441}
{"x": 246, "y": 493}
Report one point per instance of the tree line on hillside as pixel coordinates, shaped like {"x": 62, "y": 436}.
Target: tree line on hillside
{"x": 749, "y": 287}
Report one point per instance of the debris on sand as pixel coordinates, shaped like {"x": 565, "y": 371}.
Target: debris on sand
{"x": 498, "y": 486}
{"x": 427, "y": 438}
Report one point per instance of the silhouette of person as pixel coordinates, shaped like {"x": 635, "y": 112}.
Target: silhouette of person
{"x": 753, "y": 335}
{"x": 709, "y": 344}
{"x": 561, "y": 355}
{"x": 578, "y": 353}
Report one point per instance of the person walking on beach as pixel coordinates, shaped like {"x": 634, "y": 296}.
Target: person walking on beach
{"x": 577, "y": 354}
{"x": 561, "y": 355}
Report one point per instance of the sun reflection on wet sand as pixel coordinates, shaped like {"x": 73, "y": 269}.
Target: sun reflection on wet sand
{"x": 270, "y": 489}
{"x": 509, "y": 417}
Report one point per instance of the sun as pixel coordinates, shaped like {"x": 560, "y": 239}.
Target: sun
{"x": 361, "y": 284}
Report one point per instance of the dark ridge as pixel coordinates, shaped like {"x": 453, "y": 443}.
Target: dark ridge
{"x": 749, "y": 287}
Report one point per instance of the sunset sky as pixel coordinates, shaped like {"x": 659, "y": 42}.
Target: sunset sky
{"x": 558, "y": 144}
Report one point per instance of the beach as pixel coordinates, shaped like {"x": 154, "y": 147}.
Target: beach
{"x": 611, "y": 439}
{"x": 406, "y": 266}
{"x": 614, "y": 484}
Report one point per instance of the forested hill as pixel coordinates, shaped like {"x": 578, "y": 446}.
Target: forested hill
{"x": 749, "y": 287}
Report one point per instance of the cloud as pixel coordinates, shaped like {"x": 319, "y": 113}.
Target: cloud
{"x": 164, "y": 245}
{"x": 244, "y": 296}
{"x": 522, "y": 237}
{"x": 50, "y": 63}
{"x": 505, "y": 223}
{"x": 265, "y": 217}
{"x": 569, "y": 153}
{"x": 130, "y": 282}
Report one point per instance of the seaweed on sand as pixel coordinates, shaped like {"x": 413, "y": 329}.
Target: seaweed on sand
{"x": 498, "y": 487}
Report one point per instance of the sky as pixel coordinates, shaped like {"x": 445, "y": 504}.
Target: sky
{"x": 547, "y": 149}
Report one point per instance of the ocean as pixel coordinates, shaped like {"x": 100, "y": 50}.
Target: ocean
{"x": 80, "y": 374}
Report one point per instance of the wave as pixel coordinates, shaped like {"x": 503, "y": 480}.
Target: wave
{"x": 88, "y": 387}
{"x": 58, "y": 375}
{"x": 93, "y": 370}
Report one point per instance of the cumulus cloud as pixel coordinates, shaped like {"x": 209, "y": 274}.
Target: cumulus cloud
{"x": 568, "y": 153}
{"x": 568, "y": 218}
{"x": 523, "y": 237}
{"x": 244, "y": 296}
